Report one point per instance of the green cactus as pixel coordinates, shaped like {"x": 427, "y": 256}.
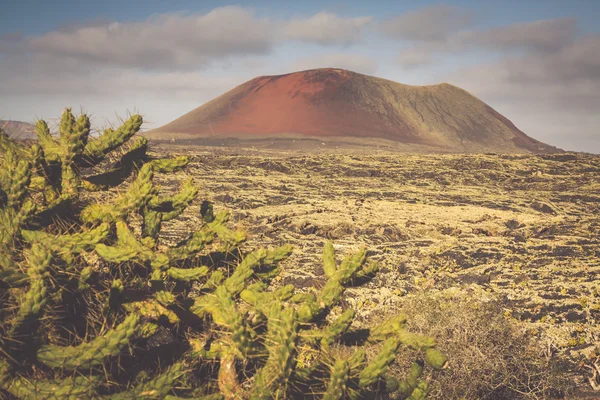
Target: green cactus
{"x": 128, "y": 247}
{"x": 411, "y": 387}
{"x": 236, "y": 282}
{"x": 15, "y": 179}
{"x": 67, "y": 245}
{"x": 95, "y": 150}
{"x": 140, "y": 193}
{"x": 131, "y": 201}
{"x": 152, "y": 223}
{"x": 71, "y": 388}
{"x": 73, "y": 137}
{"x": 9, "y": 145}
{"x": 272, "y": 380}
{"x": 338, "y": 381}
{"x": 45, "y": 140}
{"x": 188, "y": 274}
{"x": 339, "y": 278}
{"x": 85, "y": 276}
{"x": 332, "y": 332}
{"x": 152, "y": 310}
{"x": 36, "y": 297}
{"x": 175, "y": 203}
{"x": 157, "y": 388}
{"x": 92, "y": 353}
{"x": 378, "y": 366}
{"x": 192, "y": 245}
{"x": 11, "y": 275}
{"x": 223, "y": 328}
{"x": 134, "y": 157}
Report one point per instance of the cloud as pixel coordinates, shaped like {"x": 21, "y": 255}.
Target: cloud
{"x": 109, "y": 92}
{"x": 37, "y": 77}
{"x": 10, "y": 42}
{"x": 167, "y": 57}
{"x": 414, "y": 57}
{"x": 543, "y": 35}
{"x": 180, "y": 41}
{"x": 542, "y": 74}
{"x": 429, "y": 24}
{"x": 439, "y": 30}
{"x": 352, "y": 62}
{"x": 162, "y": 41}
{"x": 327, "y": 29}
{"x": 562, "y": 77}
{"x": 555, "y": 94}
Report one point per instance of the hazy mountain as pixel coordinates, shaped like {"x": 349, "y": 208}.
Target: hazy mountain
{"x": 334, "y": 103}
{"x": 18, "y": 129}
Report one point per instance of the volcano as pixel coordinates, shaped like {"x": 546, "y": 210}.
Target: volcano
{"x": 18, "y": 130}
{"x": 338, "y": 105}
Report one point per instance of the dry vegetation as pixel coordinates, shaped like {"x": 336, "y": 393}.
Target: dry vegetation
{"x": 513, "y": 238}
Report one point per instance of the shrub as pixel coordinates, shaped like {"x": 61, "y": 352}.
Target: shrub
{"x": 492, "y": 356}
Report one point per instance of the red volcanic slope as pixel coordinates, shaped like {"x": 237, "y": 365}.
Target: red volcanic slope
{"x": 334, "y": 102}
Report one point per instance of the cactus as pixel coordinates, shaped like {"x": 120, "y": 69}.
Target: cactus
{"x": 376, "y": 368}
{"x": 66, "y": 246}
{"x": 9, "y": 145}
{"x": 282, "y": 335}
{"x": 192, "y": 245}
{"x": 157, "y": 388}
{"x": 11, "y": 276}
{"x": 45, "y": 140}
{"x": 337, "y": 386}
{"x": 127, "y": 248}
{"x": 339, "y": 278}
{"x": 15, "y": 177}
{"x": 134, "y": 157}
{"x": 71, "y": 388}
{"x": 73, "y": 138}
{"x": 131, "y": 201}
{"x": 96, "y": 150}
{"x": 88, "y": 286}
{"x": 36, "y": 297}
{"x": 411, "y": 387}
{"x": 93, "y": 353}
{"x": 188, "y": 274}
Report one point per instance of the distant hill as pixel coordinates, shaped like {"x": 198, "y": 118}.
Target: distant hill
{"x": 331, "y": 104}
{"x": 18, "y": 129}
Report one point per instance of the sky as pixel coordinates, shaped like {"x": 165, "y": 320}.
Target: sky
{"x": 537, "y": 62}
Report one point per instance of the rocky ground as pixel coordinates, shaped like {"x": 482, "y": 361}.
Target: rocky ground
{"x": 523, "y": 228}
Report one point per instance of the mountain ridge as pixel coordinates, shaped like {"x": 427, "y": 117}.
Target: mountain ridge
{"x": 332, "y": 103}
{"x": 18, "y": 129}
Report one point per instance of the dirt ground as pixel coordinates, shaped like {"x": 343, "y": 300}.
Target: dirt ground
{"x": 524, "y": 228}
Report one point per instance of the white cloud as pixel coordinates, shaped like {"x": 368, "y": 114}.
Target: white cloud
{"x": 162, "y": 41}
{"x": 433, "y": 23}
{"x": 438, "y": 30}
{"x": 170, "y": 59}
{"x": 327, "y": 28}
{"x": 543, "y": 35}
{"x": 184, "y": 41}
{"x": 349, "y": 61}
{"x": 554, "y": 96}
{"x": 415, "y": 57}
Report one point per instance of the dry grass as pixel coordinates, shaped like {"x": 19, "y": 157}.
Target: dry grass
{"x": 491, "y": 356}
